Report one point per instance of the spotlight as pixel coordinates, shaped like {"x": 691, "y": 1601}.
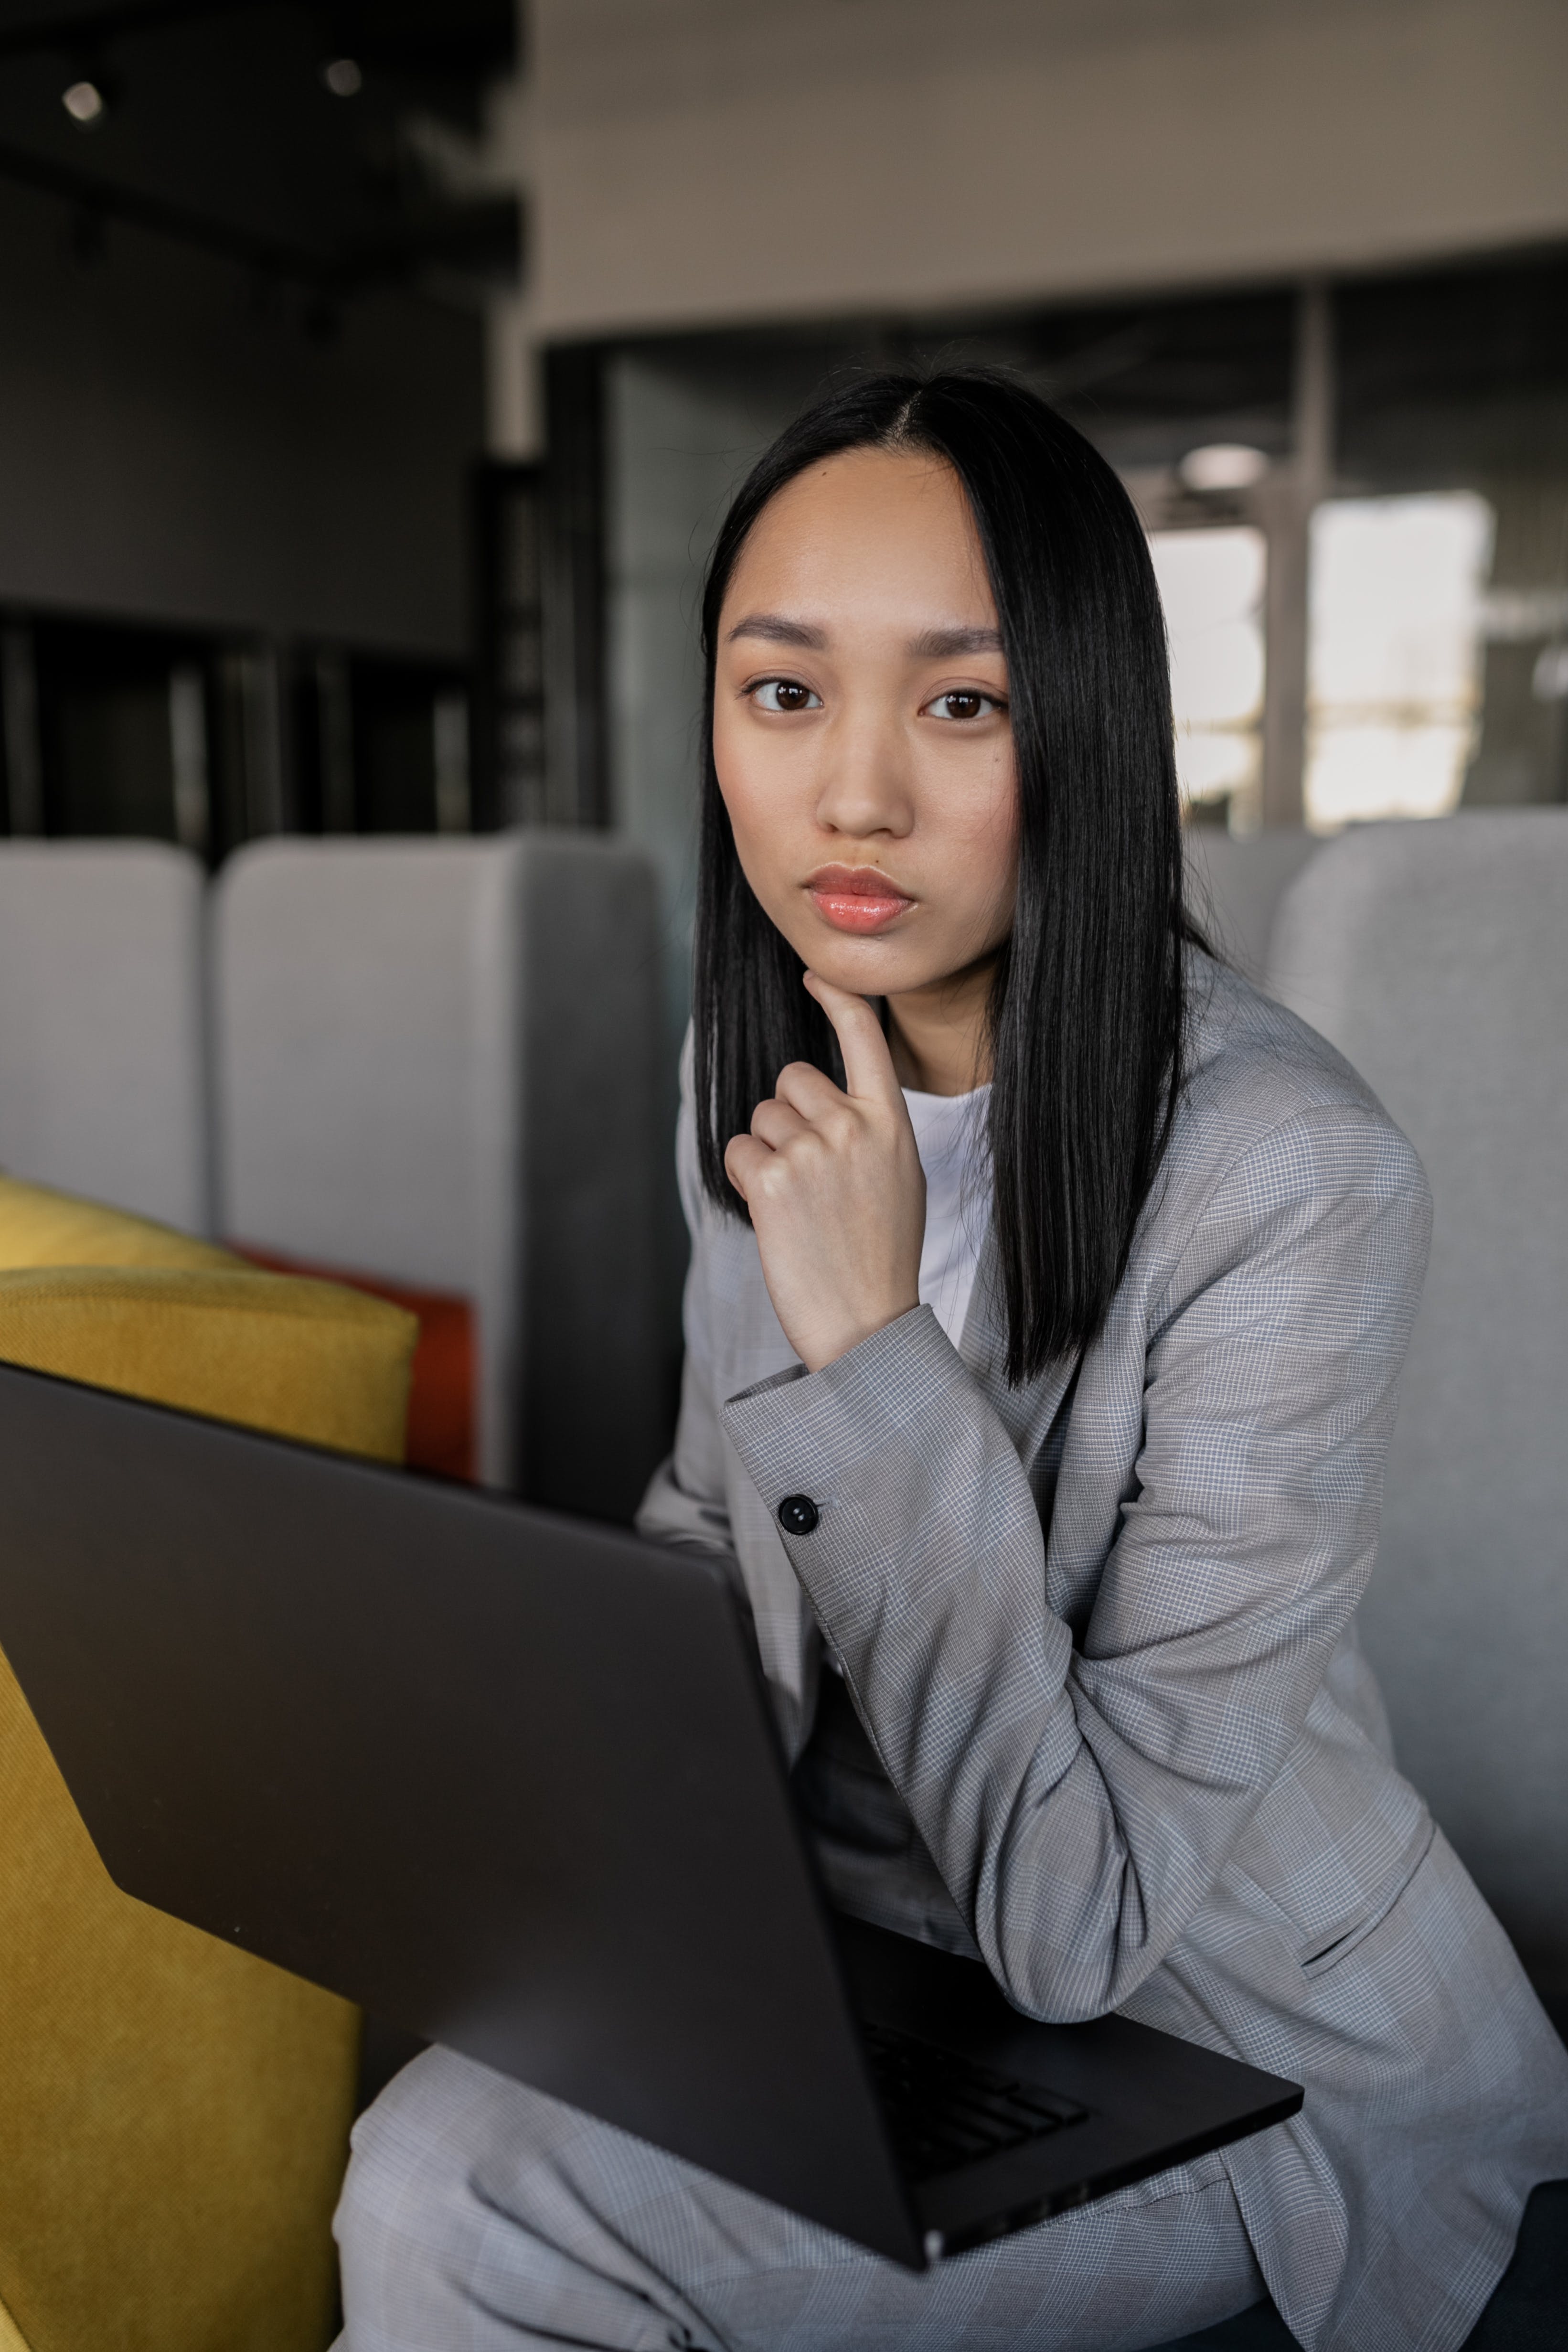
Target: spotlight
{"x": 85, "y": 102}
{"x": 1223, "y": 466}
{"x": 343, "y": 77}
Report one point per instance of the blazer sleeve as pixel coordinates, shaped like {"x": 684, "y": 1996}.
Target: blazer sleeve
{"x": 686, "y": 1502}
{"x": 1081, "y": 1801}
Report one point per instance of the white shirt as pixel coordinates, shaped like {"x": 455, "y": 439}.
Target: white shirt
{"x": 950, "y": 1134}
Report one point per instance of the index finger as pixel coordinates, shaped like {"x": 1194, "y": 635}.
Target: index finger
{"x": 868, "y": 1065}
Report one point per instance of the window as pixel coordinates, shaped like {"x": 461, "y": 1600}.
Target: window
{"x": 1211, "y": 584}
{"x": 1394, "y": 653}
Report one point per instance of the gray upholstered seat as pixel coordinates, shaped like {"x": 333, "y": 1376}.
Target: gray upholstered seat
{"x": 438, "y": 1062}
{"x": 102, "y": 1069}
{"x": 1236, "y": 885}
{"x": 1436, "y": 957}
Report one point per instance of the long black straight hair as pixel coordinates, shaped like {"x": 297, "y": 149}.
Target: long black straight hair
{"x": 1087, "y": 1006}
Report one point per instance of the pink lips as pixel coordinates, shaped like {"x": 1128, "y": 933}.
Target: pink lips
{"x": 856, "y": 897}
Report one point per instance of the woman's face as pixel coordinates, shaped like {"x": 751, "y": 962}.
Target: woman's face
{"x": 860, "y": 729}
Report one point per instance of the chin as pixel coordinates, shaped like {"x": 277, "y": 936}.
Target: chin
{"x": 866, "y": 967}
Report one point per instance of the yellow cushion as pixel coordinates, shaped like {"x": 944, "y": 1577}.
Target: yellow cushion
{"x": 38, "y": 1227}
{"x": 302, "y": 1359}
{"x": 173, "y": 2114}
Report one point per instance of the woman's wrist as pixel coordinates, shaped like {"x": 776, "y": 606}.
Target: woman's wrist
{"x": 841, "y": 1335}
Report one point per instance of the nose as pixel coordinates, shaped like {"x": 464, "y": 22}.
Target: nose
{"x": 864, "y": 784}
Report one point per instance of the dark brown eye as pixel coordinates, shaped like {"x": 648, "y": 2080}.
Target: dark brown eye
{"x": 961, "y": 704}
{"x": 783, "y": 694}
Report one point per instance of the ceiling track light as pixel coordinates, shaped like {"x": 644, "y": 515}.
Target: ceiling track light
{"x": 90, "y": 92}
{"x": 85, "y": 103}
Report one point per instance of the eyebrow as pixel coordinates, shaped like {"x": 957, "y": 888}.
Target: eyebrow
{"x": 778, "y": 630}
{"x": 942, "y": 644}
{"x": 934, "y": 644}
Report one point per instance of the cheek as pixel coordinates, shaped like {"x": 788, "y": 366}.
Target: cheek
{"x": 762, "y": 786}
{"x": 756, "y": 804}
{"x": 981, "y": 825}
{"x": 737, "y": 781}
{"x": 1004, "y": 833}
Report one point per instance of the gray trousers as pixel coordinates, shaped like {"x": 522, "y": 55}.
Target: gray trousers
{"x": 478, "y": 2217}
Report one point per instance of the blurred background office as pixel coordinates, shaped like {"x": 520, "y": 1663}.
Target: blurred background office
{"x": 372, "y": 379}
{"x": 373, "y": 376}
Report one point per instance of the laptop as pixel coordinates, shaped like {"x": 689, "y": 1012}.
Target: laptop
{"x": 511, "y": 1781}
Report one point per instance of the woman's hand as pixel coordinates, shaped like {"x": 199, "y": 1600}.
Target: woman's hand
{"x": 836, "y": 1191}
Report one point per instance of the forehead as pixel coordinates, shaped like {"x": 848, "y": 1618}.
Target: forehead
{"x": 878, "y": 530}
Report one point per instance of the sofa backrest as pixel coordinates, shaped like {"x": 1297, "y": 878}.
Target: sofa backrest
{"x": 1235, "y": 885}
{"x": 1435, "y": 956}
{"x": 104, "y": 1082}
{"x": 437, "y": 1062}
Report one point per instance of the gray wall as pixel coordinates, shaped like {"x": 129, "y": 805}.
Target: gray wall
{"x": 694, "y": 161}
{"x": 173, "y": 445}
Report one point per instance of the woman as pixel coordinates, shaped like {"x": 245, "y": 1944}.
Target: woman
{"x": 1048, "y": 1293}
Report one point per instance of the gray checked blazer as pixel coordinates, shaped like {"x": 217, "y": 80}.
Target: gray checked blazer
{"x": 1118, "y": 1736}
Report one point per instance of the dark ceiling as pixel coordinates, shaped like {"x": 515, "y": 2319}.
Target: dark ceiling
{"x": 223, "y": 126}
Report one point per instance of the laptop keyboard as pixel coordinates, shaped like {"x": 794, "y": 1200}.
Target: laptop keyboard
{"x": 944, "y": 2111}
